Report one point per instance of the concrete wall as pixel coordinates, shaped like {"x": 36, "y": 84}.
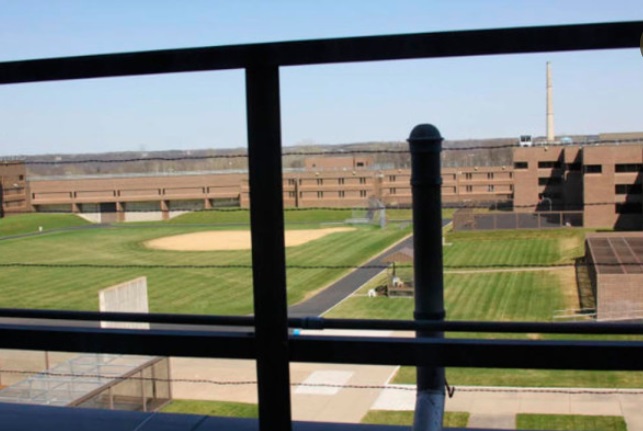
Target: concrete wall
{"x": 130, "y": 296}
{"x": 619, "y": 296}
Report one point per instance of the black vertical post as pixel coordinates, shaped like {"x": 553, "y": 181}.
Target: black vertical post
{"x": 426, "y": 184}
{"x": 268, "y": 247}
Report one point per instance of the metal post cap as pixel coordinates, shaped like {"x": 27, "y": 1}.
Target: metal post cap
{"x": 424, "y": 132}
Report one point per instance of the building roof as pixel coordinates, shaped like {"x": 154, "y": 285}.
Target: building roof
{"x": 73, "y": 380}
{"x": 617, "y": 253}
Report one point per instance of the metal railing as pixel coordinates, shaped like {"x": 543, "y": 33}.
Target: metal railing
{"x": 270, "y": 343}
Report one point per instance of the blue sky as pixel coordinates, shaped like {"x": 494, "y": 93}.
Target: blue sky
{"x": 498, "y": 96}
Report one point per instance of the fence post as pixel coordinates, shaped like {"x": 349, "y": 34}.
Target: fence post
{"x": 426, "y": 184}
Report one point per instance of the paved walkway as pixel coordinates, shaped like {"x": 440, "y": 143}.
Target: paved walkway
{"x": 345, "y": 286}
{"x": 324, "y": 394}
{"x": 496, "y": 407}
{"x": 327, "y": 394}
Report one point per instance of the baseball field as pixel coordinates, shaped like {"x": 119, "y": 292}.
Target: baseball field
{"x": 197, "y": 263}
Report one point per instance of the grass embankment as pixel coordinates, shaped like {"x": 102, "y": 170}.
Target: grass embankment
{"x": 30, "y": 223}
{"x": 292, "y": 216}
{"x": 241, "y": 216}
{"x": 226, "y": 290}
{"x": 388, "y": 417}
{"x": 570, "y": 422}
{"x": 516, "y": 295}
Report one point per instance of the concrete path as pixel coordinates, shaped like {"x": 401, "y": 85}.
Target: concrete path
{"x": 336, "y": 292}
{"x": 496, "y": 407}
{"x": 323, "y": 395}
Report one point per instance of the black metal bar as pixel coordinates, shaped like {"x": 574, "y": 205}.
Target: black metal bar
{"x": 268, "y": 246}
{"x": 93, "y": 316}
{"x": 128, "y": 341}
{"x": 589, "y": 327}
{"x": 454, "y": 352}
{"x": 374, "y": 48}
{"x": 574, "y": 355}
{"x": 425, "y": 144}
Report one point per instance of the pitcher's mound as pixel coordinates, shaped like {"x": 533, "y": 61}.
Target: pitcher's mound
{"x": 233, "y": 239}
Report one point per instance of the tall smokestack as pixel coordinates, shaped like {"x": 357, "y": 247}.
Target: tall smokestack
{"x": 550, "y": 107}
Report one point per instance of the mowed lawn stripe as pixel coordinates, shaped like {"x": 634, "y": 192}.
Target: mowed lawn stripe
{"x": 507, "y": 253}
{"x": 500, "y": 296}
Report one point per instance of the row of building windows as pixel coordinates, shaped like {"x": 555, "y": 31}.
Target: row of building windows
{"x": 490, "y": 188}
{"x": 320, "y": 194}
{"x": 591, "y": 169}
{"x": 549, "y": 181}
{"x": 550, "y": 165}
{"x": 490, "y": 175}
{"x": 619, "y": 168}
{"x": 392, "y": 191}
{"x": 320, "y": 181}
{"x": 391, "y": 178}
{"x": 629, "y": 167}
{"x": 625, "y": 189}
{"x": 629, "y": 208}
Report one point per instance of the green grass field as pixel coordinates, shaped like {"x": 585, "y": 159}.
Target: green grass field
{"x": 212, "y": 408}
{"x": 513, "y": 248}
{"x": 570, "y": 422}
{"x": 389, "y": 417}
{"x": 184, "y": 290}
{"x": 497, "y": 296}
{"x": 492, "y": 296}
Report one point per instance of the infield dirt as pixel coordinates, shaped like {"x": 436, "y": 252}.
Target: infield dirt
{"x": 233, "y": 239}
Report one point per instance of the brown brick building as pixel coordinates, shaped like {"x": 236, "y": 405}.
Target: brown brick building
{"x": 602, "y": 180}
{"x": 134, "y": 198}
{"x": 14, "y": 189}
